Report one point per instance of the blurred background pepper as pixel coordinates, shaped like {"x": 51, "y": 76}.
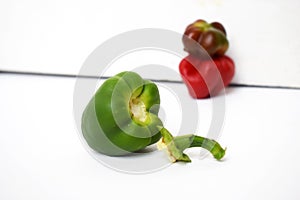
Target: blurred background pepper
{"x": 211, "y": 37}
{"x": 203, "y": 77}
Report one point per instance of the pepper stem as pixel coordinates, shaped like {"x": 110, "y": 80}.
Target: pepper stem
{"x": 211, "y": 145}
{"x": 176, "y": 145}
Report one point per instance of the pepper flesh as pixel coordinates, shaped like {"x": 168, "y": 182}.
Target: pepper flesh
{"x": 210, "y": 36}
{"x": 122, "y": 115}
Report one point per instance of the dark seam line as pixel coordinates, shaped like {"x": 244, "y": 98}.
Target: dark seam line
{"x": 154, "y": 80}
{"x": 49, "y": 74}
{"x": 263, "y": 86}
{"x": 77, "y": 76}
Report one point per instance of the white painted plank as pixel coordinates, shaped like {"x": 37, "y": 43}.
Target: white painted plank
{"x": 42, "y": 157}
{"x": 57, "y": 36}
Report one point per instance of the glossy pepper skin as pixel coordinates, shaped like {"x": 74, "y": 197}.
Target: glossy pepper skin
{"x": 206, "y": 78}
{"x": 122, "y": 115}
{"x": 210, "y": 36}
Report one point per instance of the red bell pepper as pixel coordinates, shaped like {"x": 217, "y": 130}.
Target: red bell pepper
{"x": 205, "y": 77}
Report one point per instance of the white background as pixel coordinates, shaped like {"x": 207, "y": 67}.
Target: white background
{"x": 57, "y": 36}
{"x": 41, "y": 155}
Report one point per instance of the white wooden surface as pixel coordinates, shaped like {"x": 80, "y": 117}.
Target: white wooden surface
{"x": 57, "y": 36}
{"x": 42, "y": 157}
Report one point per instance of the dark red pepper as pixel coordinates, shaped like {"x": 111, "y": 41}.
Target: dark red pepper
{"x": 205, "y": 77}
{"x": 201, "y": 37}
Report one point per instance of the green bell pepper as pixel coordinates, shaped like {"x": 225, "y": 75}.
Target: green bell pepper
{"x": 122, "y": 117}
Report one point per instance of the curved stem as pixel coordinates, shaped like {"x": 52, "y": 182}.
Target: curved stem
{"x": 211, "y": 145}
{"x": 176, "y": 145}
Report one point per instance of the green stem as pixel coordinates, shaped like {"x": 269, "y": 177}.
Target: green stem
{"x": 176, "y": 145}
{"x": 211, "y": 145}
